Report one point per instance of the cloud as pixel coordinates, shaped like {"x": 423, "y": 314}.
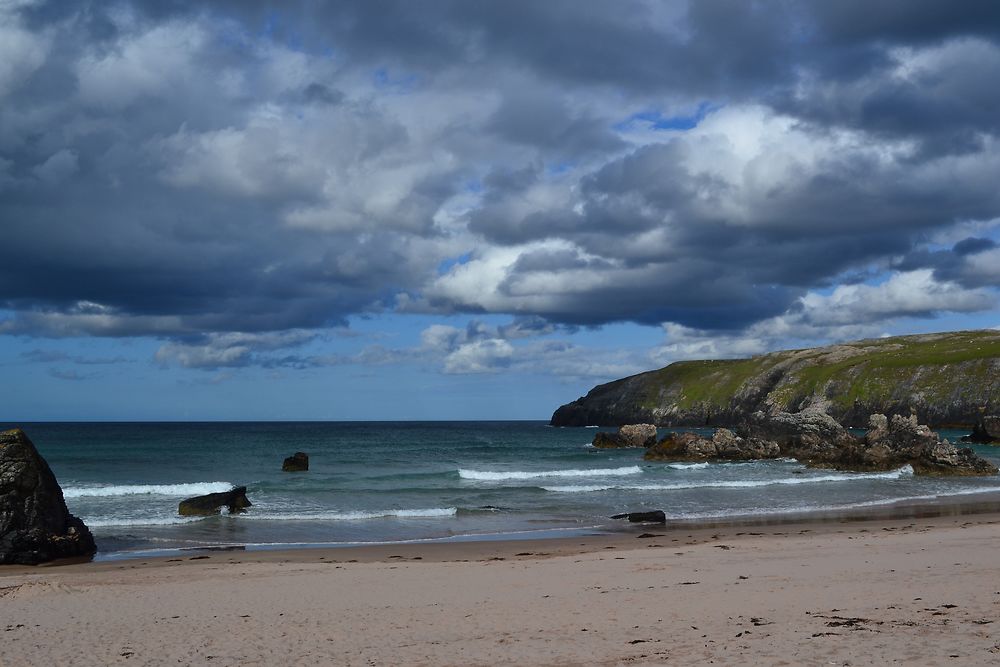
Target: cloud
{"x": 215, "y": 351}
{"x": 848, "y": 312}
{"x": 215, "y": 178}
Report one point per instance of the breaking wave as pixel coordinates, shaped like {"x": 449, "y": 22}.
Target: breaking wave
{"x": 486, "y": 475}
{"x": 192, "y": 489}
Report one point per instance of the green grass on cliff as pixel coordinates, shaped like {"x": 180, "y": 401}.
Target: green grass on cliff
{"x": 883, "y": 365}
{"x": 869, "y": 371}
{"x": 691, "y": 383}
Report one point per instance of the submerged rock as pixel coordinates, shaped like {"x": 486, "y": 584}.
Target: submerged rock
{"x": 297, "y": 462}
{"x": 630, "y": 435}
{"x": 35, "y": 525}
{"x": 655, "y": 516}
{"x": 235, "y": 500}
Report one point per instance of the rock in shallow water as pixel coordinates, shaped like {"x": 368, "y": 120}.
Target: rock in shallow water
{"x": 235, "y": 500}
{"x": 985, "y": 432}
{"x": 297, "y": 462}
{"x": 655, "y": 516}
{"x": 815, "y": 438}
{"x": 630, "y": 435}
{"x": 35, "y": 525}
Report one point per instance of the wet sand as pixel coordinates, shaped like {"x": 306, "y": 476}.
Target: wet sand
{"x": 917, "y": 586}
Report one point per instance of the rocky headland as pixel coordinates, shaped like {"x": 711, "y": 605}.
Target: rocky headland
{"x": 948, "y": 379}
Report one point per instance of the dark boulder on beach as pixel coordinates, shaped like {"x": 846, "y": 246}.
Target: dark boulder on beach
{"x": 235, "y": 500}
{"x": 655, "y": 516}
{"x": 297, "y": 462}
{"x": 35, "y": 525}
{"x": 985, "y": 432}
{"x": 629, "y": 435}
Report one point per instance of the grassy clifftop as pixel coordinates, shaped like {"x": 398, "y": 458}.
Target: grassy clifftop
{"x": 948, "y": 379}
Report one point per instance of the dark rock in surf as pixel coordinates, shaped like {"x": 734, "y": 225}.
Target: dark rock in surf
{"x": 297, "y": 462}
{"x": 656, "y": 516}
{"x": 35, "y": 525}
{"x": 629, "y": 435}
{"x": 985, "y": 432}
{"x": 235, "y": 500}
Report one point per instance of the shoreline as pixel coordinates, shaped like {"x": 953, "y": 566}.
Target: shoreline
{"x": 952, "y": 507}
{"x": 915, "y": 589}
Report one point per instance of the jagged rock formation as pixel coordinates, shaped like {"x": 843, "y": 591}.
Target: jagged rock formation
{"x": 949, "y": 379}
{"x": 35, "y": 525}
{"x": 629, "y": 435}
{"x": 235, "y": 500}
{"x": 297, "y": 462}
{"x": 814, "y": 437}
{"x": 724, "y": 445}
{"x": 985, "y": 432}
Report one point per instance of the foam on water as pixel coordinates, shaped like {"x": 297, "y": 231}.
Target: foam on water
{"x": 190, "y": 489}
{"x": 487, "y": 475}
{"x": 142, "y": 521}
{"x": 734, "y": 484}
{"x": 359, "y": 515}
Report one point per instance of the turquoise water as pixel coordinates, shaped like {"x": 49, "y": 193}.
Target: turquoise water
{"x": 380, "y": 482}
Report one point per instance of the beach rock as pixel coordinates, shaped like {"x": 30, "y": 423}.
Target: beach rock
{"x": 630, "y": 435}
{"x": 655, "y": 516}
{"x": 985, "y": 432}
{"x": 235, "y": 500}
{"x": 35, "y": 525}
{"x": 297, "y": 462}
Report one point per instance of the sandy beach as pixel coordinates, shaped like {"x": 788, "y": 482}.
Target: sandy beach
{"x": 915, "y": 591}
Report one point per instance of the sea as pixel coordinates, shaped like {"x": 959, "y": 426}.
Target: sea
{"x": 377, "y": 482}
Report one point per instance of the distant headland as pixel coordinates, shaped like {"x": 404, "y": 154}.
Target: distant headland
{"x": 946, "y": 379}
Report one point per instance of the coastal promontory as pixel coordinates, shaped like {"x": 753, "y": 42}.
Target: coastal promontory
{"x": 947, "y": 379}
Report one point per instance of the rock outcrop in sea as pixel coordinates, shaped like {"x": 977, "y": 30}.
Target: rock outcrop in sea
{"x": 235, "y": 500}
{"x": 629, "y": 435}
{"x": 297, "y": 462}
{"x": 985, "y": 432}
{"x": 949, "y": 379}
{"x": 815, "y": 438}
{"x": 35, "y": 525}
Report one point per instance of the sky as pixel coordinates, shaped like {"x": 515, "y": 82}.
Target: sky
{"x": 460, "y": 209}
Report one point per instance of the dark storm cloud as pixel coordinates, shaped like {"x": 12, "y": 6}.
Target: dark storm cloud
{"x": 194, "y": 171}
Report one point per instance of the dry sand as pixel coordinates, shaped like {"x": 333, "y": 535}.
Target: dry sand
{"x": 916, "y": 591}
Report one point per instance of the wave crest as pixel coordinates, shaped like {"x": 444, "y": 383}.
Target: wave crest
{"x": 357, "y": 515}
{"x": 488, "y": 475}
{"x": 191, "y": 489}
{"x": 748, "y": 484}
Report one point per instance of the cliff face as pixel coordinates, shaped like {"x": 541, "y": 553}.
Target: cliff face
{"x": 949, "y": 379}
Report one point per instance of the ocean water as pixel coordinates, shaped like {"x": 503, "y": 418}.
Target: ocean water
{"x": 395, "y": 481}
